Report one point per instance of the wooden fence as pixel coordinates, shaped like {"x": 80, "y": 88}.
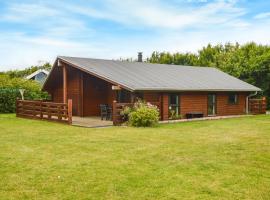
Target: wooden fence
{"x": 118, "y": 107}
{"x": 257, "y": 106}
{"x": 59, "y": 112}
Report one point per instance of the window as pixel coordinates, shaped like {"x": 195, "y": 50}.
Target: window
{"x": 212, "y": 101}
{"x": 233, "y": 99}
{"x": 123, "y": 96}
{"x": 138, "y": 96}
{"x": 174, "y": 106}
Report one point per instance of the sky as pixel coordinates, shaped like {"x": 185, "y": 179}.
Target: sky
{"x": 34, "y": 31}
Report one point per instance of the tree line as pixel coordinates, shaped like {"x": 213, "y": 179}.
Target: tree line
{"x": 25, "y": 72}
{"x": 249, "y": 62}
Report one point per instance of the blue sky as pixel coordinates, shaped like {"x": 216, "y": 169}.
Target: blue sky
{"x": 32, "y": 32}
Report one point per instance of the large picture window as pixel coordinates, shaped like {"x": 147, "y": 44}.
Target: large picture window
{"x": 233, "y": 98}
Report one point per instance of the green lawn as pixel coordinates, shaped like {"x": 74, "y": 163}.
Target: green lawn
{"x": 221, "y": 159}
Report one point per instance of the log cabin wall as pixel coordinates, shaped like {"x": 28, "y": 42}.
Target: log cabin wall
{"x": 197, "y": 102}
{"x": 73, "y": 89}
{"x": 55, "y": 88}
{"x": 193, "y": 102}
{"x": 224, "y": 108}
{"x": 164, "y": 106}
{"x": 57, "y": 94}
{"x": 111, "y": 95}
{"x": 151, "y": 96}
{"x": 96, "y": 92}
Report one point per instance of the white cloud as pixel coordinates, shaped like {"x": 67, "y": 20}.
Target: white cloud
{"x": 27, "y": 12}
{"x": 19, "y": 50}
{"x": 154, "y": 13}
{"x": 64, "y": 29}
{"x": 262, "y": 15}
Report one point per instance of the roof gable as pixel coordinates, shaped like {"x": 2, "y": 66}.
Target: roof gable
{"x": 36, "y": 73}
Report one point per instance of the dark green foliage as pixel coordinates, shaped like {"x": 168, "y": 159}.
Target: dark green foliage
{"x": 249, "y": 62}
{"x": 9, "y": 91}
{"x": 177, "y": 58}
{"x": 7, "y": 99}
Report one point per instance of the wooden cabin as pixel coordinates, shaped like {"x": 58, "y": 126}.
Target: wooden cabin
{"x": 181, "y": 89}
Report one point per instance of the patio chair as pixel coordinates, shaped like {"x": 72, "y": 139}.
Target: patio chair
{"x": 103, "y": 111}
{"x": 109, "y": 113}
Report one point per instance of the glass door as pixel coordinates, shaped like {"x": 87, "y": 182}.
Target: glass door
{"x": 173, "y": 106}
{"x": 212, "y": 99}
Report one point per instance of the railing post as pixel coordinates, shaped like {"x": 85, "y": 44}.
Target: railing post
{"x": 34, "y": 109}
{"x": 64, "y": 84}
{"x": 59, "y": 112}
{"x": 16, "y": 107}
{"x": 264, "y": 105}
{"x": 40, "y": 107}
{"x": 70, "y": 111}
{"x": 49, "y": 111}
{"x": 114, "y": 111}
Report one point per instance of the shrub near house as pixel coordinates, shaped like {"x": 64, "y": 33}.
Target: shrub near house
{"x": 9, "y": 92}
{"x": 141, "y": 115}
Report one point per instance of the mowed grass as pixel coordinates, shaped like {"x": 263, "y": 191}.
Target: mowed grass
{"x": 221, "y": 159}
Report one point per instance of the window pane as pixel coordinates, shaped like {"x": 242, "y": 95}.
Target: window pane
{"x": 232, "y": 98}
{"x": 211, "y": 104}
{"x": 173, "y": 99}
{"x": 173, "y": 105}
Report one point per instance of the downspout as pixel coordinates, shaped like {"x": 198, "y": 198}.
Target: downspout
{"x": 247, "y": 101}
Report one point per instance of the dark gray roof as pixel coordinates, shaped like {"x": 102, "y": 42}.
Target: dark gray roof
{"x": 137, "y": 76}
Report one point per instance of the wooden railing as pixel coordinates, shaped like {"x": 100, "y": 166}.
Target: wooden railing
{"x": 118, "y": 107}
{"x": 59, "y": 112}
{"x": 257, "y": 106}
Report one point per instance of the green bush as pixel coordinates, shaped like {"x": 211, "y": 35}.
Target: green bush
{"x": 125, "y": 113}
{"x": 8, "y": 98}
{"x": 9, "y": 92}
{"x": 143, "y": 115}
{"x": 174, "y": 115}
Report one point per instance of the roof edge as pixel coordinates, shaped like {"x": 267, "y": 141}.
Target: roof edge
{"x": 36, "y": 72}
{"x": 195, "y": 90}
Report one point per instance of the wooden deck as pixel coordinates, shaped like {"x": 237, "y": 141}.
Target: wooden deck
{"x": 90, "y": 122}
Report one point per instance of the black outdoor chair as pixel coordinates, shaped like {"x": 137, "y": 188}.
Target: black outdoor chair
{"x": 105, "y": 112}
{"x": 109, "y": 113}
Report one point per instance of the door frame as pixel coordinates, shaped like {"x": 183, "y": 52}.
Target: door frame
{"x": 214, "y": 106}
{"x": 178, "y": 100}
